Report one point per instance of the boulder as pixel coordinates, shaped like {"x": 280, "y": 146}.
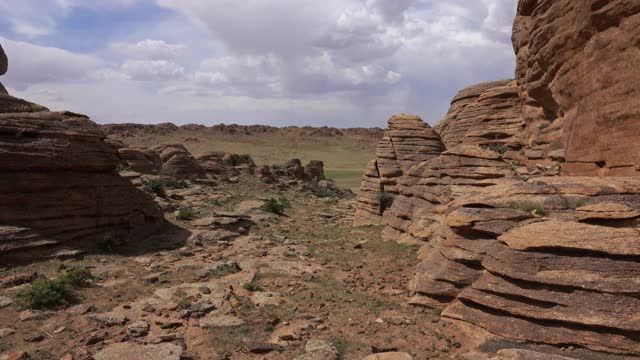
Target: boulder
{"x": 61, "y": 186}
{"x": 140, "y": 160}
{"x": 314, "y": 170}
{"x": 178, "y": 163}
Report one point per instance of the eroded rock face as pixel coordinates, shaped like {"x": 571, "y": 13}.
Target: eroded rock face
{"x": 577, "y": 72}
{"x": 486, "y": 113}
{"x": 178, "y": 163}
{"x": 140, "y": 160}
{"x": 408, "y": 141}
{"x": 60, "y": 185}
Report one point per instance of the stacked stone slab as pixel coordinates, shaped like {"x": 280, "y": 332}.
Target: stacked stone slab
{"x": 485, "y": 114}
{"x": 178, "y": 163}
{"x": 577, "y": 73}
{"x": 140, "y": 160}
{"x": 60, "y": 187}
{"x": 407, "y": 142}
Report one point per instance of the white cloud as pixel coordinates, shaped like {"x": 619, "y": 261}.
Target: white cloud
{"x": 31, "y": 64}
{"x": 352, "y": 61}
{"x": 152, "y": 70}
{"x": 149, "y": 49}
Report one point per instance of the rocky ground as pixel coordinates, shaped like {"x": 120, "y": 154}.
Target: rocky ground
{"x": 302, "y": 284}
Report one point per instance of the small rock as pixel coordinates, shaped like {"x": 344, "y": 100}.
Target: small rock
{"x": 120, "y": 351}
{"x": 221, "y": 321}
{"x": 110, "y": 319}
{"x": 5, "y": 301}
{"x": 390, "y": 356}
{"x": 80, "y": 309}
{"x": 152, "y": 278}
{"x": 35, "y": 337}
{"x": 6, "y": 332}
{"x": 138, "y": 329}
{"x": 15, "y": 355}
{"x": 67, "y": 357}
{"x": 256, "y": 347}
{"x": 94, "y": 339}
{"x": 204, "y": 290}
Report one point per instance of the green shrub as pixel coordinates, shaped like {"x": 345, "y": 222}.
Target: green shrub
{"x": 46, "y": 293}
{"x": 252, "y": 286}
{"x": 154, "y": 186}
{"x": 574, "y": 204}
{"x": 186, "y": 214}
{"x": 184, "y": 304}
{"x": 497, "y": 147}
{"x": 386, "y": 200}
{"x": 276, "y": 206}
{"x": 530, "y": 207}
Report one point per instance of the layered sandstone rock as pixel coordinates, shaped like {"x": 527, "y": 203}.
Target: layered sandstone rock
{"x": 549, "y": 279}
{"x": 484, "y": 114}
{"x": 408, "y": 141}
{"x": 60, "y": 185}
{"x": 178, "y": 163}
{"x": 577, "y": 72}
{"x": 140, "y": 160}
{"x": 222, "y": 163}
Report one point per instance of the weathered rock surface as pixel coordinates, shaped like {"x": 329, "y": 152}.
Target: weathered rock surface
{"x": 4, "y": 64}
{"x": 221, "y": 163}
{"x": 60, "y": 185}
{"x": 487, "y": 113}
{"x": 178, "y": 163}
{"x": 408, "y": 141}
{"x": 577, "y": 75}
{"x": 140, "y": 160}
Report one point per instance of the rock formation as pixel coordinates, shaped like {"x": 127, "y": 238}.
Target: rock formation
{"x": 60, "y": 186}
{"x": 508, "y": 250}
{"x": 408, "y": 141}
{"x": 577, "y": 73}
{"x": 178, "y": 163}
{"x": 140, "y": 160}
{"x": 4, "y": 64}
{"x": 222, "y": 163}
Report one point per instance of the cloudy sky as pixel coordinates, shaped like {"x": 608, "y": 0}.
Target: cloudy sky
{"x": 280, "y": 62}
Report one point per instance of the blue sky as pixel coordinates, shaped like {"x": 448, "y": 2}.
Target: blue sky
{"x": 279, "y": 62}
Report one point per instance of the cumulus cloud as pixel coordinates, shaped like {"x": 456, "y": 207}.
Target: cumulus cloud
{"x": 357, "y": 60}
{"x": 149, "y": 49}
{"x": 31, "y": 64}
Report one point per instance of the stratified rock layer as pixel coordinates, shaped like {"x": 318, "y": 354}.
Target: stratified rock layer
{"x": 487, "y": 113}
{"x": 408, "y": 141}
{"x": 59, "y": 185}
{"x": 577, "y": 72}
{"x": 140, "y": 160}
{"x": 178, "y": 163}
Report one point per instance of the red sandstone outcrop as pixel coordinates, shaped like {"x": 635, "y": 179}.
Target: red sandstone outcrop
{"x": 407, "y": 142}
{"x": 178, "y": 163}
{"x": 577, "y": 73}
{"x": 60, "y": 185}
{"x": 487, "y": 113}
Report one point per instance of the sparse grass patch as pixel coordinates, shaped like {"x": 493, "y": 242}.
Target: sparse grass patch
{"x": 341, "y": 343}
{"x": 47, "y": 293}
{"x": 276, "y": 206}
{"x": 154, "y": 186}
{"x": 496, "y": 146}
{"x": 529, "y": 206}
{"x": 184, "y": 304}
{"x": 576, "y": 203}
{"x": 186, "y": 214}
{"x": 253, "y": 286}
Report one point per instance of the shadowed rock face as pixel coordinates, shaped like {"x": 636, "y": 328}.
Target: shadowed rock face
{"x": 4, "y": 64}
{"x": 577, "y": 72}
{"x": 60, "y": 185}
